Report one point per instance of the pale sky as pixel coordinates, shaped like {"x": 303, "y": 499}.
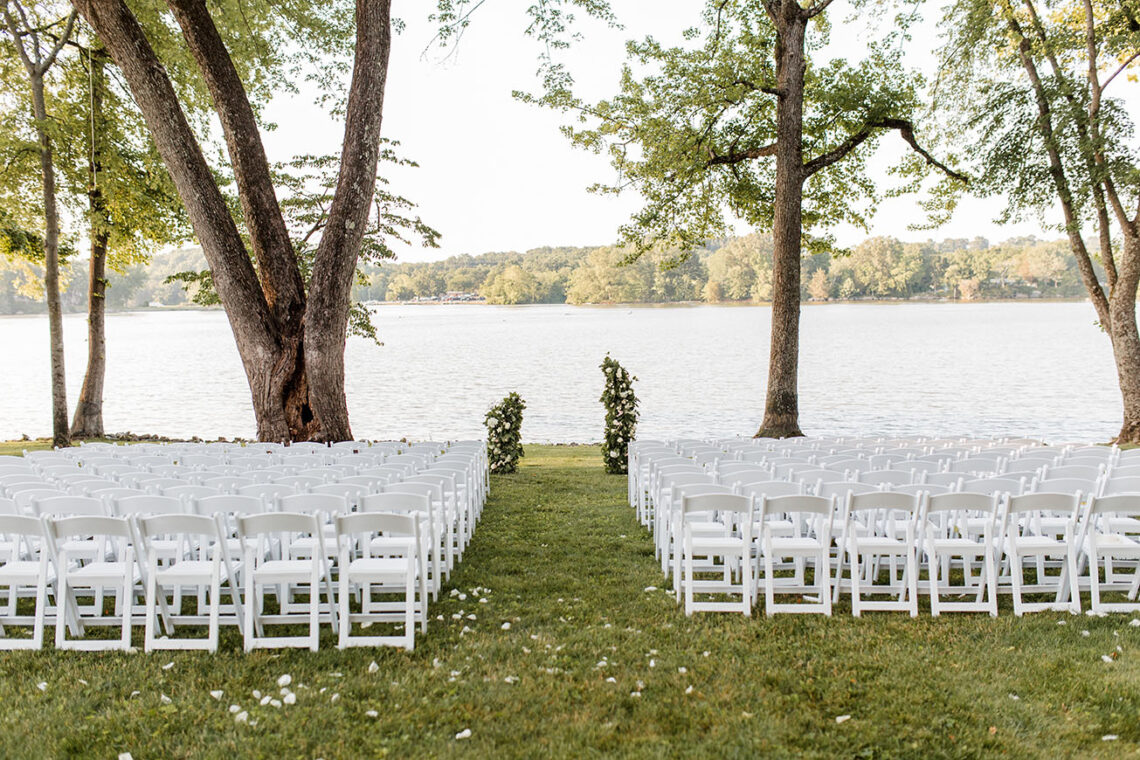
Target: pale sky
{"x": 497, "y": 175}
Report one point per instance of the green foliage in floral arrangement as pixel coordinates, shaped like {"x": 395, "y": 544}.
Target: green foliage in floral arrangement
{"x": 504, "y": 434}
{"x": 621, "y": 416}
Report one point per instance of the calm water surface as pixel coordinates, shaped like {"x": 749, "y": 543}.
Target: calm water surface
{"x": 1035, "y": 369}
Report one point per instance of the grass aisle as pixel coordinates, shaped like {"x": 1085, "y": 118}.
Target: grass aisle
{"x": 560, "y": 558}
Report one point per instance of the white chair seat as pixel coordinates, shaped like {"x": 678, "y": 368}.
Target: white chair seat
{"x": 186, "y": 571}
{"x": 22, "y": 572}
{"x": 284, "y": 570}
{"x": 379, "y": 568}
{"x": 101, "y": 571}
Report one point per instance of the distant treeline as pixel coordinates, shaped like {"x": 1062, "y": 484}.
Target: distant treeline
{"x": 736, "y": 269}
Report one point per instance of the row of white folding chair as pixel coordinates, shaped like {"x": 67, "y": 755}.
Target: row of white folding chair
{"x": 1025, "y": 534}
{"x": 46, "y": 547}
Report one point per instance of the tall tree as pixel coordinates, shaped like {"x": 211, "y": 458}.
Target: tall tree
{"x": 28, "y": 29}
{"x": 742, "y": 121}
{"x": 291, "y": 341}
{"x": 1027, "y": 80}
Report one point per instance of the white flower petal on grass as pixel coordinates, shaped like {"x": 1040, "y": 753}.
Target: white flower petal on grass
{"x": 842, "y": 718}
{"x": 42, "y": 686}
{"x": 464, "y": 734}
{"x": 635, "y": 694}
{"x": 373, "y": 667}
{"x": 241, "y": 717}
{"x": 217, "y": 693}
{"x": 125, "y": 756}
{"x": 454, "y": 592}
{"x": 1135, "y": 622}
{"x": 83, "y": 681}
{"x": 275, "y": 703}
{"x": 705, "y": 653}
{"x": 483, "y": 601}
{"x": 506, "y": 626}
{"x": 290, "y": 698}
{"x": 134, "y": 693}
{"x": 265, "y": 700}
{"x": 257, "y": 693}
{"x": 1109, "y": 738}
{"x": 1086, "y": 634}
{"x": 164, "y": 699}
{"x": 1062, "y": 622}
{"x": 1014, "y": 697}
{"x": 611, "y": 679}
{"x": 235, "y": 708}
{"x": 650, "y": 588}
{"x": 168, "y": 666}
{"x": 334, "y": 698}
{"x": 511, "y": 679}
{"x": 285, "y": 680}
{"x": 1106, "y": 658}
{"x": 682, "y": 670}
{"x": 372, "y": 713}
{"x": 689, "y": 689}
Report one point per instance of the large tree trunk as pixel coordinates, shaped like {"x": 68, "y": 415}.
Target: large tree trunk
{"x": 292, "y": 351}
{"x": 88, "y": 419}
{"x": 1126, "y": 338}
{"x": 60, "y": 431}
{"x": 781, "y": 409}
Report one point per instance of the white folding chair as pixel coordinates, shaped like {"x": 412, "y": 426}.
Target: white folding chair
{"x": 878, "y": 525}
{"x": 1027, "y": 533}
{"x": 262, "y": 572}
{"x": 950, "y": 529}
{"x": 393, "y": 569}
{"x": 113, "y": 566}
{"x": 732, "y": 543}
{"x": 797, "y": 527}
{"x": 199, "y": 564}
{"x": 25, "y": 565}
{"x": 417, "y": 504}
{"x": 1111, "y": 531}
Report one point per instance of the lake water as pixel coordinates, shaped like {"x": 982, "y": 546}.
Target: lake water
{"x": 1015, "y": 368}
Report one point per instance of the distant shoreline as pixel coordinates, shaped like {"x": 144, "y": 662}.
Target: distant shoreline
{"x": 631, "y": 304}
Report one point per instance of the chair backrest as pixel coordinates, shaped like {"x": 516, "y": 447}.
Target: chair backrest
{"x": 818, "y": 505}
{"x": 267, "y": 491}
{"x": 770, "y": 488}
{"x": 395, "y": 502}
{"x": 277, "y": 522}
{"x": 1074, "y": 471}
{"x": 1013, "y": 486}
{"x": 350, "y": 492}
{"x": 1066, "y": 485}
{"x": 65, "y": 506}
{"x": 227, "y": 482}
{"x": 309, "y": 503}
{"x": 886, "y": 477}
{"x": 716, "y": 502}
{"x": 963, "y": 501}
{"x": 975, "y": 465}
{"x": 916, "y": 488}
{"x": 1120, "y": 504}
{"x": 298, "y": 481}
{"x": 87, "y": 525}
{"x": 197, "y": 525}
{"x": 9, "y": 507}
{"x": 890, "y": 500}
{"x": 377, "y": 522}
{"x": 1044, "y": 502}
{"x": 147, "y": 504}
{"x": 1125, "y": 471}
{"x": 190, "y": 492}
{"x": 228, "y": 504}
{"x": 841, "y": 488}
{"x": 1114, "y": 485}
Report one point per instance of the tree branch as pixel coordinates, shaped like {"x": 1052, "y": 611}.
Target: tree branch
{"x": 269, "y": 238}
{"x": 16, "y": 35}
{"x": 1121, "y": 68}
{"x": 818, "y": 8}
{"x": 906, "y": 131}
{"x": 47, "y": 62}
{"x": 736, "y": 157}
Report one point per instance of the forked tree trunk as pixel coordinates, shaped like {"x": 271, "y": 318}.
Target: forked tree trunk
{"x": 60, "y": 431}
{"x": 292, "y": 348}
{"x": 781, "y": 408}
{"x": 88, "y": 419}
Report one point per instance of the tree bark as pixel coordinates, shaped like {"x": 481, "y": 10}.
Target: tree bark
{"x": 292, "y": 349}
{"x": 88, "y": 419}
{"x": 60, "y": 430}
{"x": 1126, "y": 337}
{"x": 781, "y": 408}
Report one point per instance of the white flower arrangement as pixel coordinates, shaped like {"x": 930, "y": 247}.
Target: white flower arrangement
{"x": 504, "y": 436}
{"x": 621, "y": 415}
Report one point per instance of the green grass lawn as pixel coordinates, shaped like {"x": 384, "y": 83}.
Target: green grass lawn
{"x": 560, "y": 557}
